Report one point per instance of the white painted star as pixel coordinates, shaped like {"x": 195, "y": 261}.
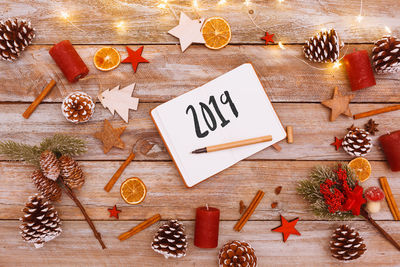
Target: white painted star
{"x": 188, "y": 31}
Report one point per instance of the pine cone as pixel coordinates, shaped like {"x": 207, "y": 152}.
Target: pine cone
{"x": 357, "y": 142}
{"x": 347, "y": 244}
{"x": 50, "y": 165}
{"x": 237, "y": 254}
{"x": 40, "y": 222}
{"x": 15, "y": 36}
{"x": 323, "y": 47}
{"x": 78, "y": 107}
{"x": 170, "y": 240}
{"x": 47, "y": 188}
{"x": 386, "y": 55}
{"x": 71, "y": 172}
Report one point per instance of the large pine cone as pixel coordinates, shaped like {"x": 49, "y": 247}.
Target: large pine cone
{"x": 47, "y": 188}
{"x": 78, "y": 107}
{"x": 386, "y": 55}
{"x": 170, "y": 240}
{"x": 50, "y": 165}
{"x": 15, "y": 36}
{"x": 237, "y": 254}
{"x": 40, "y": 222}
{"x": 71, "y": 172}
{"x": 346, "y": 244}
{"x": 323, "y": 47}
{"x": 357, "y": 142}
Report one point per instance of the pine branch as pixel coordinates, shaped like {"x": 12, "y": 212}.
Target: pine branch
{"x": 64, "y": 145}
{"x": 21, "y": 152}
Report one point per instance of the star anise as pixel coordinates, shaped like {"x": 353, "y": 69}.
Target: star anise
{"x": 371, "y": 126}
{"x": 351, "y": 128}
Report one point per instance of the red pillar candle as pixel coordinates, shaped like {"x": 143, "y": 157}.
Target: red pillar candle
{"x": 391, "y": 147}
{"x": 359, "y": 70}
{"x": 69, "y": 61}
{"x": 207, "y": 227}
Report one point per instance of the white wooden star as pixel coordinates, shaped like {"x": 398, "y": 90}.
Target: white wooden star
{"x": 188, "y": 31}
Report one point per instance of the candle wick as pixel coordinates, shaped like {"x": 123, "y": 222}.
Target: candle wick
{"x": 207, "y": 206}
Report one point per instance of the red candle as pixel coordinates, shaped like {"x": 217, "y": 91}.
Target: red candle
{"x": 359, "y": 70}
{"x": 391, "y": 147}
{"x": 69, "y": 61}
{"x": 207, "y": 227}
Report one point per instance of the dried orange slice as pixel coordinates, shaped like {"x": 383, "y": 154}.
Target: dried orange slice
{"x": 133, "y": 191}
{"x": 216, "y": 32}
{"x": 362, "y": 168}
{"x": 106, "y": 58}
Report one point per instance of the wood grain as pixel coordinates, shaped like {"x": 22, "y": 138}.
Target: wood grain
{"x": 76, "y": 247}
{"x": 310, "y": 122}
{"x": 292, "y": 21}
{"x": 168, "y": 196}
{"x": 171, "y": 73}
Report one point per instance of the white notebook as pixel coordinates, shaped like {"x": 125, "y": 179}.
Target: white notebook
{"x": 229, "y": 108}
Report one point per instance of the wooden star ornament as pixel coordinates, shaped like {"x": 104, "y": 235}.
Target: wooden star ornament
{"x": 339, "y": 104}
{"x": 268, "y": 38}
{"x": 287, "y": 228}
{"x": 110, "y": 136}
{"x": 135, "y": 57}
{"x": 114, "y": 212}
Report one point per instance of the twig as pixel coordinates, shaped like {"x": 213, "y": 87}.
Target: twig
{"x": 72, "y": 195}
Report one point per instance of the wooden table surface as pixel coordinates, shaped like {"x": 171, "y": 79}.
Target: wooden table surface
{"x": 295, "y": 88}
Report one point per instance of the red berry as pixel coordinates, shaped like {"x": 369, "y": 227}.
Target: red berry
{"x": 374, "y": 193}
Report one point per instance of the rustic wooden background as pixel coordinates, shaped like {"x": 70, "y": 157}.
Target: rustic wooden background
{"x": 295, "y": 88}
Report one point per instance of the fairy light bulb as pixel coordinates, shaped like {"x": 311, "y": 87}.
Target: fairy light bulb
{"x": 280, "y": 1}
{"x": 120, "y": 25}
{"x": 247, "y": 2}
{"x": 336, "y": 64}
{"x": 281, "y": 46}
{"x": 65, "y": 15}
{"x": 195, "y": 4}
{"x": 359, "y": 18}
{"x": 221, "y": 2}
{"x": 388, "y": 29}
{"x": 163, "y": 5}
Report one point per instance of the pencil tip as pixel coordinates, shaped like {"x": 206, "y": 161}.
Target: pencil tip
{"x": 200, "y": 150}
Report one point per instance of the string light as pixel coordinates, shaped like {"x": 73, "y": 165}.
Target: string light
{"x": 195, "y": 4}
{"x": 120, "y": 25}
{"x": 221, "y": 2}
{"x": 280, "y": 1}
{"x": 281, "y": 45}
{"x": 359, "y": 18}
{"x": 336, "y": 64}
{"x": 163, "y": 5}
{"x": 65, "y": 15}
{"x": 388, "y": 29}
{"x": 247, "y": 2}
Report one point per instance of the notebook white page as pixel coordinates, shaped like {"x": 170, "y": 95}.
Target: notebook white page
{"x": 249, "y": 112}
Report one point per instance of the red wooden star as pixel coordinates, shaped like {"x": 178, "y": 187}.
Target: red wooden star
{"x": 114, "y": 212}
{"x": 135, "y": 57}
{"x": 337, "y": 143}
{"x": 287, "y": 228}
{"x": 268, "y": 38}
{"x": 354, "y": 200}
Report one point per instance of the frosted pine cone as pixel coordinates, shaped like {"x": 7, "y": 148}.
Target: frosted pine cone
{"x": 47, "y": 188}
{"x": 40, "y": 222}
{"x": 323, "y": 47}
{"x": 78, "y": 107}
{"x": 386, "y": 55}
{"x": 71, "y": 172}
{"x": 170, "y": 240}
{"x": 237, "y": 253}
{"x": 50, "y": 165}
{"x": 15, "y": 36}
{"x": 346, "y": 244}
{"x": 357, "y": 142}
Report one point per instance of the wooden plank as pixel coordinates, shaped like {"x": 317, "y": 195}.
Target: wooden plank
{"x": 309, "y": 249}
{"x": 313, "y": 131}
{"x": 145, "y": 23}
{"x": 168, "y": 196}
{"x": 171, "y": 73}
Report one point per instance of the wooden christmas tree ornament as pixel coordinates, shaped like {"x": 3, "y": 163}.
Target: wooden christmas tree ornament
{"x": 119, "y": 100}
{"x": 110, "y": 136}
{"x": 339, "y": 104}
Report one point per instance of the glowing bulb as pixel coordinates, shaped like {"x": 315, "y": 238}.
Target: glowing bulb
{"x": 323, "y": 30}
{"x": 336, "y": 64}
{"x": 221, "y": 2}
{"x": 247, "y": 2}
{"x": 162, "y": 5}
{"x": 359, "y": 18}
{"x": 65, "y": 15}
{"x": 195, "y": 4}
{"x": 388, "y": 29}
{"x": 120, "y": 25}
{"x": 281, "y": 46}
{"x": 280, "y": 1}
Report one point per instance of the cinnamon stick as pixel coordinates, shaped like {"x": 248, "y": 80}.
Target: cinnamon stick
{"x": 118, "y": 173}
{"x": 138, "y": 228}
{"x": 249, "y": 211}
{"x": 389, "y": 198}
{"x": 72, "y": 195}
{"x": 38, "y": 99}
{"x": 277, "y": 147}
{"x": 289, "y": 132}
{"x": 376, "y": 111}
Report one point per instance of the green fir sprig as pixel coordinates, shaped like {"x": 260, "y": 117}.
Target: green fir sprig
{"x": 309, "y": 189}
{"x": 58, "y": 144}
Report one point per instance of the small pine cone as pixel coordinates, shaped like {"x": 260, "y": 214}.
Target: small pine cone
{"x": 347, "y": 244}
{"x": 170, "y": 240}
{"x": 237, "y": 254}
{"x": 78, "y": 107}
{"x": 323, "y": 47}
{"x": 357, "y": 142}
{"x": 386, "y": 55}
{"x": 47, "y": 188}
{"x": 40, "y": 222}
{"x": 15, "y": 36}
{"x": 71, "y": 172}
{"x": 50, "y": 165}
